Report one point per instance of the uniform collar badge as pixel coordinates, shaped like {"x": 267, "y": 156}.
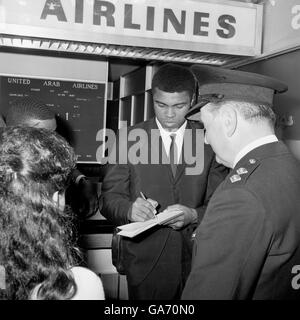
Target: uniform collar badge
{"x": 242, "y": 171}
{"x": 235, "y": 178}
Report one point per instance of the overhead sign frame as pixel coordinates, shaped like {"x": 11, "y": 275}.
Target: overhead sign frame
{"x": 214, "y": 26}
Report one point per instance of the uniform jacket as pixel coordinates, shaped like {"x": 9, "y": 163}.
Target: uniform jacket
{"x": 249, "y": 239}
{"x": 123, "y": 184}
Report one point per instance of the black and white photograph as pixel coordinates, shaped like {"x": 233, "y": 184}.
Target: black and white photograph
{"x": 149, "y": 153}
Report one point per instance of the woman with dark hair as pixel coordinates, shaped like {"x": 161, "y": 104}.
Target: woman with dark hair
{"x": 37, "y": 255}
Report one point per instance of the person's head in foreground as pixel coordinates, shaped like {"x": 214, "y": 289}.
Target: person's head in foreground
{"x": 35, "y": 235}
{"x": 30, "y": 112}
{"x": 173, "y": 90}
{"x": 235, "y": 108}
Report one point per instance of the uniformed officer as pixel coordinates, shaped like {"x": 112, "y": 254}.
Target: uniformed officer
{"x": 248, "y": 244}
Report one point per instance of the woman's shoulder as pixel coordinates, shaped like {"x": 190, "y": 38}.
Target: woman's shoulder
{"x": 89, "y": 285}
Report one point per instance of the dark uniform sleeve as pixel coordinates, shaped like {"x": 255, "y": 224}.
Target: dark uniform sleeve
{"x": 230, "y": 247}
{"x": 217, "y": 173}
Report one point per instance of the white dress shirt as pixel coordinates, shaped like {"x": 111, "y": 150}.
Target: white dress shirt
{"x": 254, "y": 144}
{"x": 165, "y": 135}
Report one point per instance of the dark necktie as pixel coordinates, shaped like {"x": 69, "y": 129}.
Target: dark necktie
{"x": 173, "y": 154}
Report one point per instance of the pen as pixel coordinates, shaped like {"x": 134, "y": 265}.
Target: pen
{"x": 143, "y": 196}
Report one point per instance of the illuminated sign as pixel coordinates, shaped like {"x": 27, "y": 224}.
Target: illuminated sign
{"x": 281, "y": 26}
{"x": 205, "y": 26}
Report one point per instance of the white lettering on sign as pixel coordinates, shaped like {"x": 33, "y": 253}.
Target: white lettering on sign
{"x": 85, "y": 86}
{"x": 50, "y": 83}
{"x": 18, "y": 81}
{"x": 296, "y": 19}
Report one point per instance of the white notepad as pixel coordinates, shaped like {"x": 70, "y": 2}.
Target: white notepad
{"x": 130, "y": 230}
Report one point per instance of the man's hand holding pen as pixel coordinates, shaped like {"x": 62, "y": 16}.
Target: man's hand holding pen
{"x": 143, "y": 209}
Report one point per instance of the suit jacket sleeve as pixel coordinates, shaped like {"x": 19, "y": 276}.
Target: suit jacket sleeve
{"x": 115, "y": 197}
{"x": 115, "y": 201}
{"x": 217, "y": 173}
{"x": 231, "y": 242}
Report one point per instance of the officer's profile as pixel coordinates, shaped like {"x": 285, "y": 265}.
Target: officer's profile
{"x": 251, "y": 219}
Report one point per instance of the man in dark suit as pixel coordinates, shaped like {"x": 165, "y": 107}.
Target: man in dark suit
{"x": 157, "y": 262}
{"x": 248, "y": 244}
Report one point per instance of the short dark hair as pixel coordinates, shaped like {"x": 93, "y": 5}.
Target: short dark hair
{"x": 25, "y": 109}
{"x": 174, "y": 78}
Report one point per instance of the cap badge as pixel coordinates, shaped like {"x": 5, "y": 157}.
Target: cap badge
{"x": 242, "y": 171}
{"x": 235, "y": 178}
{"x": 252, "y": 161}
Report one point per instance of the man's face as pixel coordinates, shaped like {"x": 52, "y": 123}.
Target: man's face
{"x": 214, "y": 133}
{"x": 44, "y": 124}
{"x": 171, "y": 107}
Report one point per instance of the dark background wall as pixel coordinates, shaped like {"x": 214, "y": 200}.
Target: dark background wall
{"x": 286, "y": 68}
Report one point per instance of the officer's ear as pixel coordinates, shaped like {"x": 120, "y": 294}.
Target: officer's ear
{"x": 229, "y": 116}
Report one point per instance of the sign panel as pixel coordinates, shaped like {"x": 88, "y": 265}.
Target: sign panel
{"x": 79, "y": 107}
{"x": 207, "y": 26}
{"x": 281, "y": 26}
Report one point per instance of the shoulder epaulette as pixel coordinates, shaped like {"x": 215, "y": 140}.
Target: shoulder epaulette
{"x": 243, "y": 172}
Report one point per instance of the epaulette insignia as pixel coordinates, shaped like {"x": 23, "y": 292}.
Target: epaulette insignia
{"x": 241, "y": 171}
{"x": 235, "y": 178}
{"x": 252, "y": 161}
